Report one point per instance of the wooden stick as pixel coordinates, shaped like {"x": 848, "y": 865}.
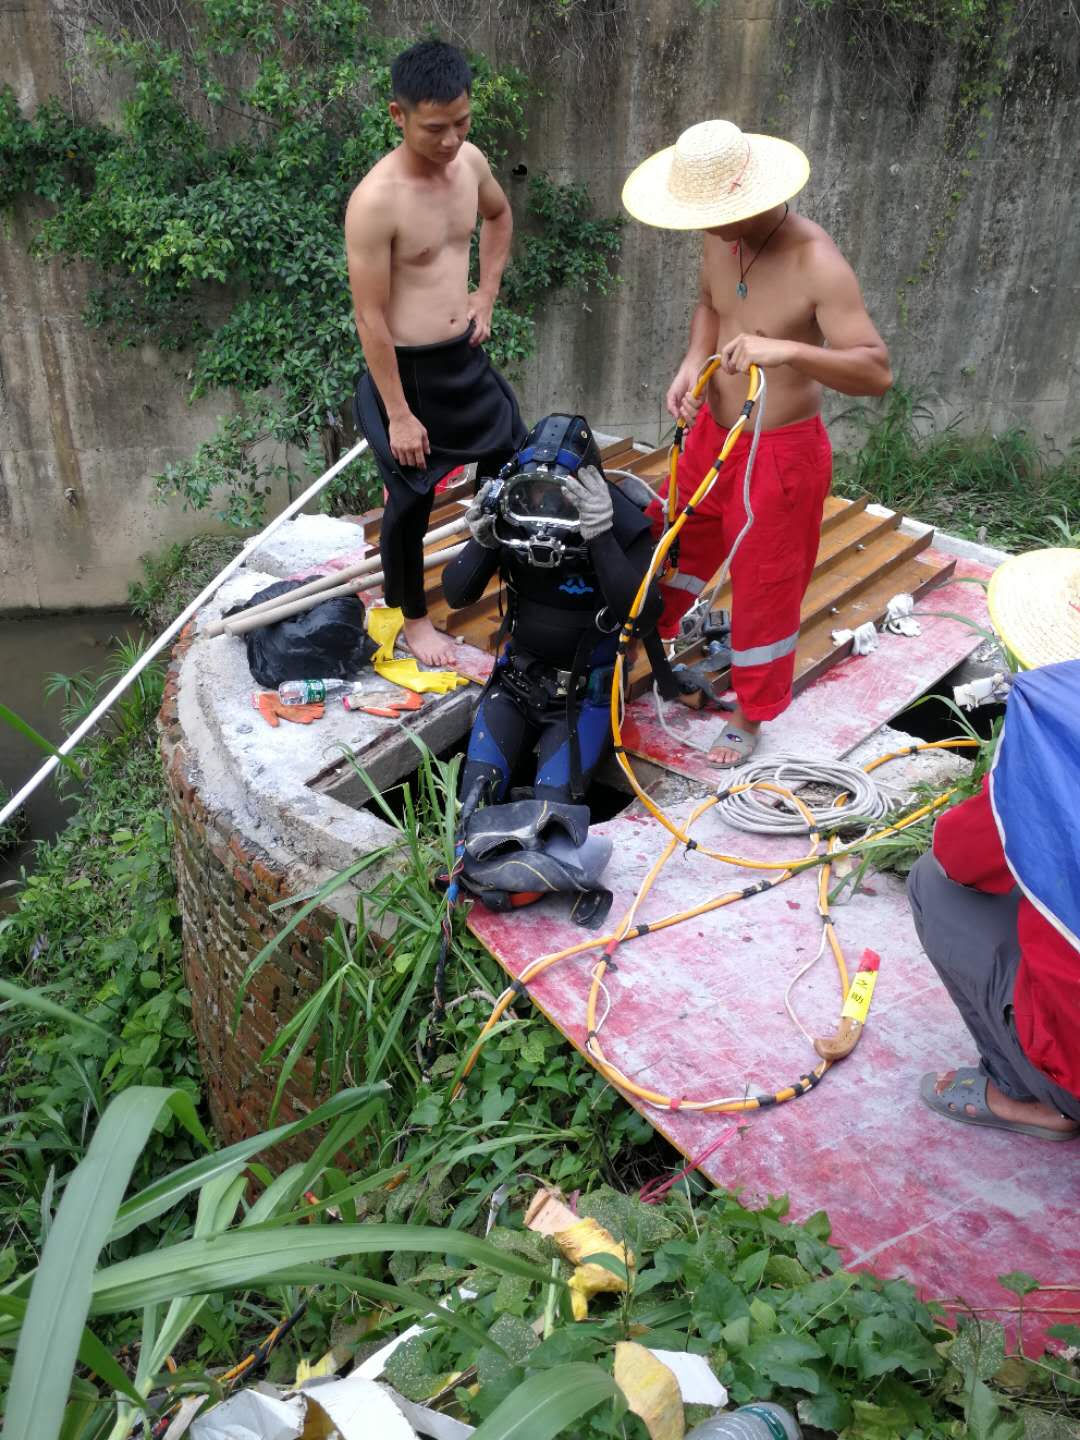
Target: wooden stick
{"x": 251, "y": 620}
{"x": 1009, "y": 1309}
{"x": 333, "y": 580}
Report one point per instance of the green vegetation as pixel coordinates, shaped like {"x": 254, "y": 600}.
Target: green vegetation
{"x": 230, "y": 249}
{"x": 191, "y": 1271}
{"x": 998, "y": 488}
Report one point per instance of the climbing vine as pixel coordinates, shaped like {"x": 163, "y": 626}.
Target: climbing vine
{"x": 212, "y": 205}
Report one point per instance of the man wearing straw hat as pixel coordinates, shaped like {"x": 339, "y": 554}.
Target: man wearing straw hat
{"x": 777, "y": 293}
{"x": 997, "y": 903}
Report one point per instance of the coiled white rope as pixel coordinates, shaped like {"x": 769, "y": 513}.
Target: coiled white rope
{"x": 762, "y": 813}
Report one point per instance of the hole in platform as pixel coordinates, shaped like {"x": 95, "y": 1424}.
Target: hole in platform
{"x": 604, "y": 800}
{"x": 931, "y": 718}
{"x": 520, "y": 170}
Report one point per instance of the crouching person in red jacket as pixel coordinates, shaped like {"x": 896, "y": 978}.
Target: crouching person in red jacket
{"x": 997, "y": 909}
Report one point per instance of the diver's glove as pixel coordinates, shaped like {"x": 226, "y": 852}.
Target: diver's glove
{"x": 481, "y": 522}
{"x": 588, "y": 490}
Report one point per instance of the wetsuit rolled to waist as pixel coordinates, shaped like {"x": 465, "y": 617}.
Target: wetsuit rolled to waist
{"x": 470, "y": 413}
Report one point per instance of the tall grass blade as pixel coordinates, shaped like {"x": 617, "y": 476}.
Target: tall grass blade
{"x": 92, "y": 1353}
{"x": 35, "y": 1000}
{"x": 323, "y": 893}
{"x": 408, "y": 1299}
{"x": 16, "y": 722}
{"x": 545, "y": 1404}
{"x": 163, "y": 1194}
{"x": 253, "y": 1256}
{"x": 60, "y": 1298}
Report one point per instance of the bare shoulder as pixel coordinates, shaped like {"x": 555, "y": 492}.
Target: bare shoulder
{"x": 373, "y": 204}
{"x": 476, "y": 160}
{"x": 822, "y": 260}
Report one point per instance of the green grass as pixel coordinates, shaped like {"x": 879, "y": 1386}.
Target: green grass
{"x": 173, "y": 578}
{"x": 1002, "y": 489}
{"x": 97, "y": 930}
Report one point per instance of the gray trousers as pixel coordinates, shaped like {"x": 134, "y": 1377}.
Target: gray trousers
{"x": 970, "y": 939}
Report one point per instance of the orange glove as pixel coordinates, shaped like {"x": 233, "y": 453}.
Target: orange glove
{"x": 272, "y": 710}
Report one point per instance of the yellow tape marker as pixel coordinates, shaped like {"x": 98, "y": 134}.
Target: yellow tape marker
{"x": 857, "y": 1004}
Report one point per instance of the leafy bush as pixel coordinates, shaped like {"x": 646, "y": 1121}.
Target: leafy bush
{"x": 232, "y": 249}
{"x": 96, "y": 925}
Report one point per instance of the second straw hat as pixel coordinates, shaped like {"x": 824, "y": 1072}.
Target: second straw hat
{"x": 1034, "y": 604}
{"x": 714, "y": 174}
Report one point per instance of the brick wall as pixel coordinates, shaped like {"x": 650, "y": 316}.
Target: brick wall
{"x": 227, "y": 884}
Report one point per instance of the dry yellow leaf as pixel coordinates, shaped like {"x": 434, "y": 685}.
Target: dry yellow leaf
{"x": 651, "y": 1391}
{"x": 578, "y": 1242}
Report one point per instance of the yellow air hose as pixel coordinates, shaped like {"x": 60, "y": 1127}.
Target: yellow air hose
{"x": 628, "y": 928}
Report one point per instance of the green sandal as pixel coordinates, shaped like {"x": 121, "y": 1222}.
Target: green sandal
{"x": 743, "y": 742}
{"x": 968, "y": 1087}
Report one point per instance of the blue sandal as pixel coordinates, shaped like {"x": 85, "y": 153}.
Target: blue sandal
{"x": 968, "y": 1087}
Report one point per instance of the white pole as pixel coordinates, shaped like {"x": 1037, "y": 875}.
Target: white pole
{"x": 329, "y": 585}
{"x": 177, "y": 625}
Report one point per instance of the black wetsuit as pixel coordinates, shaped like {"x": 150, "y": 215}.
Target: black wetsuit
{"x": 469, "y": 412}
{"x": 551, "y": 686}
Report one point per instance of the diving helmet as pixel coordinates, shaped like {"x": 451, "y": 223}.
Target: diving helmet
{"x": 533, "y": 515}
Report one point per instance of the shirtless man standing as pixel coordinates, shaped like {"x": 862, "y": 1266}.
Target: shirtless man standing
{"x": 430, "y": 400}
{"x": 777, "y": 293}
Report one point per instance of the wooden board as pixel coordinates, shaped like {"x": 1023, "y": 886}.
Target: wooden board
{"x": 863, "y": 560}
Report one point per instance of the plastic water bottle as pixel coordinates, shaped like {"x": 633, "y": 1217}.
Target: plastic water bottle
{"x": 763, "y": 1421}
{"x": 310, "y": 692}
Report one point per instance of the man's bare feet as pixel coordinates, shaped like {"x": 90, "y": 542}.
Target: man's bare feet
{"x": 430, "y": 646}
{"x": 1023, "y": 1112}
{"x": 724, "y": 754}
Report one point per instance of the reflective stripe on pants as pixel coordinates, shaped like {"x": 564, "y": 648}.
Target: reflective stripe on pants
{"x": 774, "y": 563}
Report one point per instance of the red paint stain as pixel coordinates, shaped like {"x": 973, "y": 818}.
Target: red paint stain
{"x": 793, "y": 905}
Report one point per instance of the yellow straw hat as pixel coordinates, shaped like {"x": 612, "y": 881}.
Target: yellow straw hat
{"x": 1034, "y": 602}
{"x": 714, "y": 175}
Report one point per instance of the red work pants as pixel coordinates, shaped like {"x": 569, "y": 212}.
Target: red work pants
{"x": 773, "y": 565}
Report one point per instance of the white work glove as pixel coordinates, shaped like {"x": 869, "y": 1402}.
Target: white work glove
{"x": 481, "y": 522}
{"x": 588, "y": 490}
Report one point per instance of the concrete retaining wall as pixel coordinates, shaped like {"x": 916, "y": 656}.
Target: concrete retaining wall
{"x": 990, "y": 323}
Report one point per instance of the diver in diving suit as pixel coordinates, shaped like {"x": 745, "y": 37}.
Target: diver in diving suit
{"x": 571, "y": 549}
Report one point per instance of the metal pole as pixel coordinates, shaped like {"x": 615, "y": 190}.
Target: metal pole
{"x": 285, "y": 605}
{"x": 330, "y": 584}
{"x": 177, "y": 625}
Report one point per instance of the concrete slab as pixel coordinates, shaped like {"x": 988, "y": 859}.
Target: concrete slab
{"x": 310, "y": 543}
{"x": 280, "y": 783}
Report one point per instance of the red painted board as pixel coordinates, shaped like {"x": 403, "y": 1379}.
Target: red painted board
{"x": 698, "y": 1010}
{"x": 846, "y": 704}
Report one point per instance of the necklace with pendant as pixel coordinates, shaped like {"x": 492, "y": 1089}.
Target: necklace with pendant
{"x": 742, "y": 289}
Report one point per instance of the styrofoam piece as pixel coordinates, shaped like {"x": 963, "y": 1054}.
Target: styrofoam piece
{"x": 252, "y": 1416}
{"x": 358, "y": 1409}
{"x": 697, "y": 1383}
{"x": 427, "y": 1421}
{"x": 375, "y": 1364}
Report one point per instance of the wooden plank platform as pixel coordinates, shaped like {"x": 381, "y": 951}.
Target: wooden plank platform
{"x": 863, "y": 560}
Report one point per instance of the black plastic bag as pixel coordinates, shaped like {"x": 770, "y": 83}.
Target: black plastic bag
{"x": 327, "y": 642}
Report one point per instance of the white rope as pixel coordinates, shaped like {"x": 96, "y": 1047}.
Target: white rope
{"x": 706, "y": 600}
{"x": 103, "y": 706}
{"x": 795, "y": 980}
{"x": 763, "y": 813}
